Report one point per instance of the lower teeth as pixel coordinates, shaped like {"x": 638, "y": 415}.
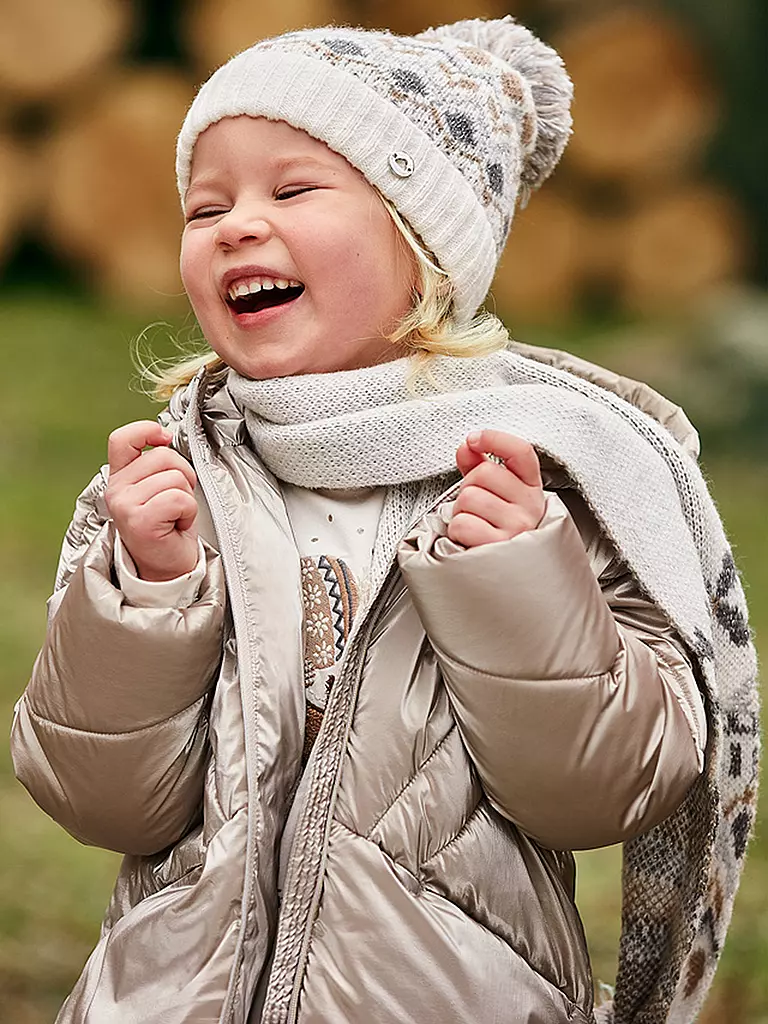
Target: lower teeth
{"x": 257, "y": 301}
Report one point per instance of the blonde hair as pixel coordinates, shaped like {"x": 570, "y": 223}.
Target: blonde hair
{"x": 428, "y": 329}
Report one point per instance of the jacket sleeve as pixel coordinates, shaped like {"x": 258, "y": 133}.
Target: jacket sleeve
{"x": 574, "y": 696}
{"x": 110, "y": 735}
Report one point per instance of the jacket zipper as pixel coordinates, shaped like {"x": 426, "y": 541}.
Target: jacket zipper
{"x": 281, "y": 1003}
{"x": 224, "y": 533}
{"x": 361, "y": 643}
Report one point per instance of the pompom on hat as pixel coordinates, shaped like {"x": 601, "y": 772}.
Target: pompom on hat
{"x": 454, "y": 126}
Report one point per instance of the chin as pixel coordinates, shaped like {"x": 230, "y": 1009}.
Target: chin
{"x": 267, "y": 369}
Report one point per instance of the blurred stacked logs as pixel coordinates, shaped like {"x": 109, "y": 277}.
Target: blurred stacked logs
{"x": 47, "y": 50}
{"x": 214, "y": 30}
{"x": 112, "y": 204}
{"x": 628, "y": 215}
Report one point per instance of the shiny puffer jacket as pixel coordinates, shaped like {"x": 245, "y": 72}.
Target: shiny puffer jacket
{"x": 497, "y": 708}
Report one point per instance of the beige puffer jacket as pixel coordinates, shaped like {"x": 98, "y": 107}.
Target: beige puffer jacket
{"x": 499, "y": 707}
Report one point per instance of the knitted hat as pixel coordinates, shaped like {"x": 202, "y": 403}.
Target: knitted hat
{"x": 453, "y": 125}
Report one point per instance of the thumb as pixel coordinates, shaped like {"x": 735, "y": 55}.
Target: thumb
{"x": 467, "y": 458}
{"x": 127, "y": 443}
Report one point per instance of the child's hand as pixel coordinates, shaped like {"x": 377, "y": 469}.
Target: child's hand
{"x": 150, "y": 497}
{"x": 496, "y": 502}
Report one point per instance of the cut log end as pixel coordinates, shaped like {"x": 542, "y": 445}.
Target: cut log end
{"x": 646, "y": 103}
{"x": 47, "y": 45}
{"x": 679, "y": 247}
{"x": 215, "y": 30}
{"x": 541, "y": 270}
{"x": 114, "y": 208}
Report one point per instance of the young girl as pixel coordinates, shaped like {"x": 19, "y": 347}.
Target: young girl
{"x": 390, "y": 614}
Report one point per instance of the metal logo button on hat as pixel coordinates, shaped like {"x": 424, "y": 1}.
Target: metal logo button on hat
{"x": 401, "y": 164}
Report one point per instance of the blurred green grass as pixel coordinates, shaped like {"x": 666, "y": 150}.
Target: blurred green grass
{"x": 65, "y": 385}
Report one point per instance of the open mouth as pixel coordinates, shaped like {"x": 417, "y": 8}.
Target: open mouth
{"x": 253, "y": 296}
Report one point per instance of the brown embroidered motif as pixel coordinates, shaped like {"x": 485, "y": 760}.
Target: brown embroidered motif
{"x": 330, "y": 596}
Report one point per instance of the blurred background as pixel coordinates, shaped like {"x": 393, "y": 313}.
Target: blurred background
{"x": 648, "y": 252}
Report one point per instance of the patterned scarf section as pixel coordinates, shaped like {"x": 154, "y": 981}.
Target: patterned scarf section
{"x": 386, "y": 426}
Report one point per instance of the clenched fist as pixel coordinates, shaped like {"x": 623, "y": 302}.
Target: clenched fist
{"x": 150, "y": 496}
{"x": 497, "y": 500}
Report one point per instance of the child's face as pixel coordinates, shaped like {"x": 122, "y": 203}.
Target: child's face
{"x": 269, "y": 205}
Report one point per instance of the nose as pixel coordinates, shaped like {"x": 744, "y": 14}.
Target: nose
{"x": 243, "y": 223}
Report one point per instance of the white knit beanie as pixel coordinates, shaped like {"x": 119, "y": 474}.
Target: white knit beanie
{"x": 453, "y": 126}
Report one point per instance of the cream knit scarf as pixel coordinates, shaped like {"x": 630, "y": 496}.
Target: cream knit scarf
{"x": 377, "y": 426}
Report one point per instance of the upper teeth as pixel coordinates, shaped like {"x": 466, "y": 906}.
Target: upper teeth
{"x": 255, "y": 284}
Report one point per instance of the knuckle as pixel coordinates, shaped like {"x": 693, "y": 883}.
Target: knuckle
{"x": 179, "y": 502}
{"x": 521, "y": 522}
{"x": 462, "y": 521}
{"x": 124, "y": 431}
{"x": 464, "y": 501}
{"x": 178, "y": 479}
{"x": 470, "y": 493}
{"x": 489, "y": 473}
{"x": 134, "y": 520}
{"x": 154, "y": 458}
{"x": 463, "y": 530}
{"x": 187, "y": 472}
{"x": 517, "y": 442}
{"x": 456, "y": 530}
{"x": 171, "y": 459}
{"x": 471, "y": 478}
{"x": 115, "y": 501}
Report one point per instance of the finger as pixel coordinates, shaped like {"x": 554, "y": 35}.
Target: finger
{"x": 508, "y": 517}
{"x": 169, "y": 510}
{"x": 169, "y": 480}
{"x": 152, "y": 521}
{"x": 518, "y": 455}
{"x": 467, "y": 459}
{"x": 498, "y": 480}
{"x": 472, "y": 531}
{"x": 157, "y": 460}
{"x": 479, "y": 502}
{"x": 127, "y": 443}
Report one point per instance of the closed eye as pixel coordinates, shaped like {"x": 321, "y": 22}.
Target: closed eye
{"x": 289, "y": 193}
{"x": 203, "y": 214}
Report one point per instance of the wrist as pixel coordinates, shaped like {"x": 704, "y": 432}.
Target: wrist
{"x": 166, "y": 575}
{"x": 179, "y": 591}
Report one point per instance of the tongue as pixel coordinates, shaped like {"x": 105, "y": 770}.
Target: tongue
{"x": 266, "y": 297}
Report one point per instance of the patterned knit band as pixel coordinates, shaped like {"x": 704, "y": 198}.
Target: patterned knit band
{"x": 454, "y": 126}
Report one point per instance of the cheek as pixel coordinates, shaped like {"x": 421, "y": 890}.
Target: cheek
{"x": 192, "y": 265}
{"x": 395, "y": 260}
{"x": 185, "y": 266}
{"x": 374, "y": 262}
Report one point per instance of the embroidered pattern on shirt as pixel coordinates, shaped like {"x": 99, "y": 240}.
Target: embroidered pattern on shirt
{"x": 330, "y": 597}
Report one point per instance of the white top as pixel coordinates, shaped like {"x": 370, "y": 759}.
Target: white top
{"x": 341, "y": 523}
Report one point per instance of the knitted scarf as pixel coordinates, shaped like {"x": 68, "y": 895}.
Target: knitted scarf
{"x": 383, "y": 426}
